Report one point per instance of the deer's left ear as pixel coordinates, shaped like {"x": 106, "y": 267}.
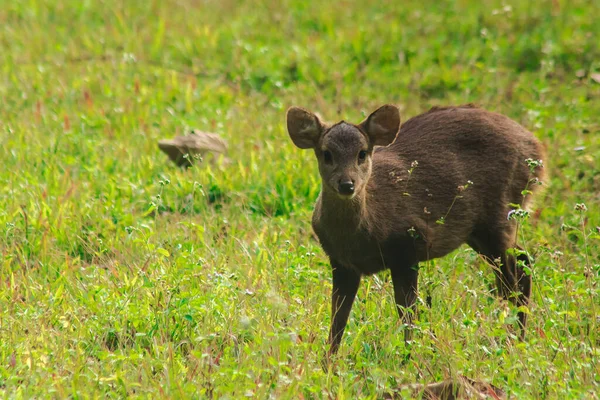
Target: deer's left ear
{"x": 382, "y": 125}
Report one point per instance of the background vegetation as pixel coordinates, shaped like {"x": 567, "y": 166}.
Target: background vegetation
{"x": 121, "y": 275}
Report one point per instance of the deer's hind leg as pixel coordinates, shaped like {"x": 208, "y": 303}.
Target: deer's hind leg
{"x": 512, "y": 281}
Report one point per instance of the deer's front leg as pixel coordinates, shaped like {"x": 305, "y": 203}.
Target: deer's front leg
{"x": 405, "y": 281}
{"x": 345, "y": 286}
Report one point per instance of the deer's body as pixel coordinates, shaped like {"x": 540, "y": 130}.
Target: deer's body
{"x": 451, "y": 146}
{"x": 449, "y": 178}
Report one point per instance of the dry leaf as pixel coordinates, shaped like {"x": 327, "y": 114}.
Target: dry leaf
{"x": 182, "y": 150}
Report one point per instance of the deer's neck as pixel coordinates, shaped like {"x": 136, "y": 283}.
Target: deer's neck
{"x": 344, "y": 213}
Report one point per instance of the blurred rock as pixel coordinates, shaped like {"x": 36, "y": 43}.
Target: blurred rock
{"x": 185, "y": 150}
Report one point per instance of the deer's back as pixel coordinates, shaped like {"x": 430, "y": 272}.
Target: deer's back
{"x": 474, "y": 135}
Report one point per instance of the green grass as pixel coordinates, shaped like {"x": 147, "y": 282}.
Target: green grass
{"x": 121, "y": 275}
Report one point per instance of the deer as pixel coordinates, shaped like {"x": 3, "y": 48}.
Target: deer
{"x": 394, "y": 196}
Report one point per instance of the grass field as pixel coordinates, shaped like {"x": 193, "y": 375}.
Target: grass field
{"x": 122, "y": 275}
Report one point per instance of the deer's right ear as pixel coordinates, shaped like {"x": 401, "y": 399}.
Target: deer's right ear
{"x": 304, "y": 127}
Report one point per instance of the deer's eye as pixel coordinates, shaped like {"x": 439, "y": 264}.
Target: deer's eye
{"x": 327, "y": 157}
{"x": 362, "y": 156}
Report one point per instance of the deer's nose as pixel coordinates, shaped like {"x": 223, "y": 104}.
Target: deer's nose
{"x": 346, "y": 187}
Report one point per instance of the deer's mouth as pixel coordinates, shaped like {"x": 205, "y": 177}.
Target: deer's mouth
{"x": 346, "y": 196}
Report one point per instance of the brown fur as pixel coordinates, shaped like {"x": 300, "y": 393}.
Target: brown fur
{"x": 390, "y": 222}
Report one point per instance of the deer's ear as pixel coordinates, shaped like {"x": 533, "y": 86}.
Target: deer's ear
{"x": 382, "y": 125}
{"x": 304, "y": 127}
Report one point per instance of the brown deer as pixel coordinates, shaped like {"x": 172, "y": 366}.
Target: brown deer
{"x": 450, "y": 176}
